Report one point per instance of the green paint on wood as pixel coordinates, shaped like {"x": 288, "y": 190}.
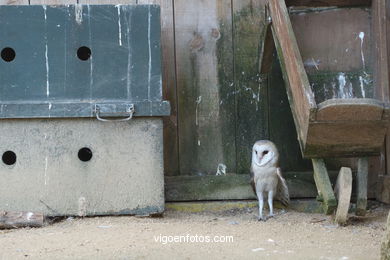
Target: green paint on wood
{"x": 251, "y": 87}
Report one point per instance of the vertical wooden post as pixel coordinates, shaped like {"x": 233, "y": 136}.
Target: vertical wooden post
{"x": 361, "y": 181}
{"x": 324, "y": 186}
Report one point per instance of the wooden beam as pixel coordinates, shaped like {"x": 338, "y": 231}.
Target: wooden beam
{"x": 301, "y": 184}
{"x": 234, "y": 186}
{"x": 324, "y": 186}
{"x": 326, "y": 3}
{"x": 298, "y": 89}
{"x": 361, "y": 186}
{"x": 13, "y": 219}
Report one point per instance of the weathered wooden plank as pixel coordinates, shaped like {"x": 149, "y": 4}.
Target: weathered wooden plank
{"x": 343, "y": 191}
{"x": 362, "y": 109}
{"x": 14, "y": 2}
{"x": 324, "y": 186}
{"x": 380, "y": 50}
{"x": 301, "y": 184}
{"x": 322, "y": 3}
{"x": 250, "y": 85}
{"x": 349, "y": 138}
{"x": 204, "y": 65}
{"x": 171, "y": 138}
{"x": 110, "y": 2}
{"x": 361, "y": 187}
{"x": 281, "y": 124}
{"x": 52, "y": 2}
{"x": 233, "y": 186}
{"x": 337, "y": 40}
{"x": 300, "y": 95}
{"x": 12, "y": 219}
{"x": 384, "y": 178}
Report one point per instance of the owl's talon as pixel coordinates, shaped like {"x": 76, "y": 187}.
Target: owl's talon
{"x": 271, "y": 215}
{"x": 261, "y": 218}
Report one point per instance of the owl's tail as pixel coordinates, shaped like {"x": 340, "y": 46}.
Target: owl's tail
{"x": 282, "y": 190}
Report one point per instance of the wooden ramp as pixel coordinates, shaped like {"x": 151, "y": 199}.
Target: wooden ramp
{"x": 347, "y": 126}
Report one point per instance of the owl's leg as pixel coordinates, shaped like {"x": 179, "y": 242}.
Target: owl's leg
{"x": 261, "y": 204}
{"x": 270, "y": 203}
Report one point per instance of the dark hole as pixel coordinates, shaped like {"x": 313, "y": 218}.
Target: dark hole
{"x": 84, "y": 53}
{"x": 265, "y": 152}
{"x": 8, "y": 54}
{"x": 9, "y": 158}
{"x": 85, "y": 154}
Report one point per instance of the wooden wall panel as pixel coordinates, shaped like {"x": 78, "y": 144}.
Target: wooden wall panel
{"x": 334, "y": 40}
{"x": 251, "y": 87}
{"x": 281, "y": 124}
{"x": 171, "y": 146}
{"x": 205, "y": 86}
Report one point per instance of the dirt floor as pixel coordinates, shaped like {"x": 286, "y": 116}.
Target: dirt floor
{"x": 289, "y": 235}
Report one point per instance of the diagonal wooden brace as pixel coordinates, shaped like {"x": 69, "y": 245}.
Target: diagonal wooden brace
{"x": 324, "y": 186}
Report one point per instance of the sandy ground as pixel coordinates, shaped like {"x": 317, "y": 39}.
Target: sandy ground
{"x": 289, "y": 235}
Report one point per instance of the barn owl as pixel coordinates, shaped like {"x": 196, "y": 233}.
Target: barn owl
{"x": 266, "y": 176}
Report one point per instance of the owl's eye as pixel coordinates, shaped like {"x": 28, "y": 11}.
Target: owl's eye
{"x": 256, "y": 152}
{"x": 265, "y": 152}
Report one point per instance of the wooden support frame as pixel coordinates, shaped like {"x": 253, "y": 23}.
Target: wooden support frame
{"x": 330, "y": 128}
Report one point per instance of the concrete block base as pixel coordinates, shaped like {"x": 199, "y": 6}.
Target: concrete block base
{"x": 82, "y": 166}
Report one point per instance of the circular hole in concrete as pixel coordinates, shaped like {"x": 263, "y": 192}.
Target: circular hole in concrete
{"x": 85, "y": 154}
{"x": 9, "y": 158}
{"x": 8, "y": 54}
{"x": 84, "y": 53}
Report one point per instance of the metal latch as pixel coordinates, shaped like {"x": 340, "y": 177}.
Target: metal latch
{"x": 114, "y": 110}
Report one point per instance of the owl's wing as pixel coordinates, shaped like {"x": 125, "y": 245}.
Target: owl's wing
{"x": 252, "y": 181}
{"x": 282, "y": 190}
